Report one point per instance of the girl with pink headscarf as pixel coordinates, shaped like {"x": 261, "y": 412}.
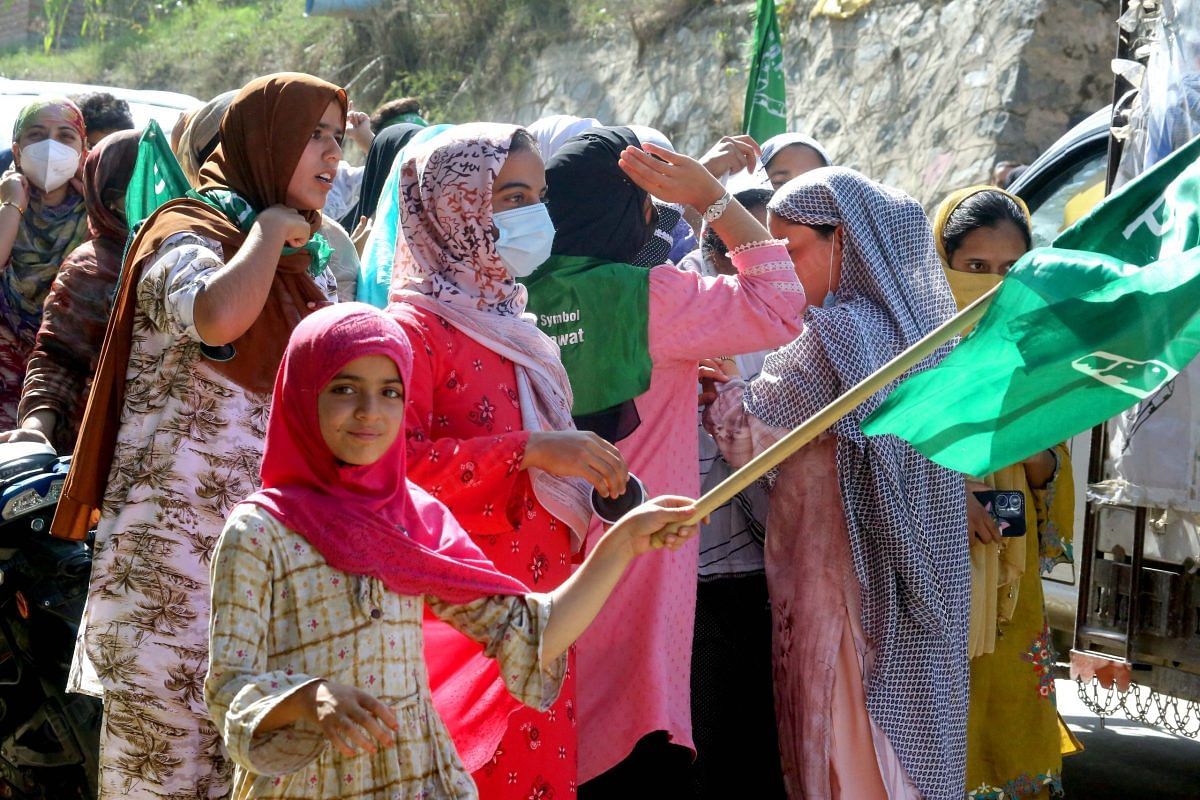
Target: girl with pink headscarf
{"x": 326, "y": 695}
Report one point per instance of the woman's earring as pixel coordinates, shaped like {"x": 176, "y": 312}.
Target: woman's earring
{"x": 830, "y": 298}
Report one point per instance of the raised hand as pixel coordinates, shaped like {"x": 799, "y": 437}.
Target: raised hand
{"x": 286, "y": 222}
{"x": 358, "y": 128}
{"x": 671, "y": 177}
{"x": 14, "y": 189}
{"x": 732, "y": 154}
{"x": 362, "y": 232}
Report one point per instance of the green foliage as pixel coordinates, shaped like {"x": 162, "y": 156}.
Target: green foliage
{"x": 424, "y": 48}
{"x": 99, "y": 17}
{"x": 429, "y": 48}
{"x": 201, "y": 48}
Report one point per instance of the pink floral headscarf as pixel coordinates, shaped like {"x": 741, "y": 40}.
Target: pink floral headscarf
{"x": 448, "y": 250}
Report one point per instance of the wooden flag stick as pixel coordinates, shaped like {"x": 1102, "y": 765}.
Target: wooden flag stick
{"x": 813, "y": 427}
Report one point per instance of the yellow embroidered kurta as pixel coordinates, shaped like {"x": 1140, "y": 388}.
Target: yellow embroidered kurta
{"x": 282, "y": 617}
{"x": 1015, "y": 738}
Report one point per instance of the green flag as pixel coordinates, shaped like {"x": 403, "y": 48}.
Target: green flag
{"x": 1077, "y": 332}
{"x": 157, "y": 176}
{"x": 765, "y": 114}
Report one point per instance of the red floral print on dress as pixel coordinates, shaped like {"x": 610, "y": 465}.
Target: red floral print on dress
{"x": 511, "y": 394}
{"x": 454, "y": 384}
{"x": 1041, "y": 656}
{"x": 533, "y": 737}
{"x": 492, "y": 763}
{"x": 484, "y": 414}
{"x": 541, "y": 790}
{"x": 538, "y": 564}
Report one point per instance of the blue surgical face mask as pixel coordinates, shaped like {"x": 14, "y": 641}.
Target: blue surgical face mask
{"x": 526, "y": 235}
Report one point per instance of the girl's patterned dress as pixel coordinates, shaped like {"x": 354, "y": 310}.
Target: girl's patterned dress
{"x": 349, "y": 629}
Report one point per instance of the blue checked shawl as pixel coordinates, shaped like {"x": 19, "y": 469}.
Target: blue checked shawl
{"x": 906, "y": 515}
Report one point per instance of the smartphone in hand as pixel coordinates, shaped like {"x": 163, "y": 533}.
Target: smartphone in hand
{"x": 1006, "y": 508}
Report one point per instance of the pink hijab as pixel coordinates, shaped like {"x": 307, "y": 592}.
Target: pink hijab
{"x": 371, "y": 520}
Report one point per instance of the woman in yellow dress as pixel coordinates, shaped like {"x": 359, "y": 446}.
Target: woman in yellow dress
{"x": 1015, "y": 737}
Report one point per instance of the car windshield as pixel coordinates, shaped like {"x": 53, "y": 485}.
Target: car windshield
{"x": 11, "y": 105}
{"x": 1059, "y": 203}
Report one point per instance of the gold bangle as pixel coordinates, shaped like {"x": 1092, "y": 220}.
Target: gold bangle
{"x": 20, "y": 210}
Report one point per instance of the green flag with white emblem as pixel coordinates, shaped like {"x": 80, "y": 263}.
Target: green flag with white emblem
{"x": 157, "y": 177}
{"x": 765, "y": 113}
{"x": 1077, "y": 333}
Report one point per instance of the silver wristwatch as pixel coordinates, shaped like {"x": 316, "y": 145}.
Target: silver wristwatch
{"x": 718, "y": 208}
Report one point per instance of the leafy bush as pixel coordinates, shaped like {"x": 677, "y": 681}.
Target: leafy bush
{"x": 202, "y": 48}
{"x": 423, "y": 48}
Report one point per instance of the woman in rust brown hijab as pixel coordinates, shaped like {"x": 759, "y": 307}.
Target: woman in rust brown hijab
{"x": 174, "y": 427}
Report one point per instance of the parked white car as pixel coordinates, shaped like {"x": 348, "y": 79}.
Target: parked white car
{"x": 164, "y": 107}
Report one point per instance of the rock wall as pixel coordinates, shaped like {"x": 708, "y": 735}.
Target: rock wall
{"x": 922, "y": 94}
{"x": 18, "y": 20}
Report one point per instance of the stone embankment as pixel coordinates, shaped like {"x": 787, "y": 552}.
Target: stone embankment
{"x": 922, "y": 94}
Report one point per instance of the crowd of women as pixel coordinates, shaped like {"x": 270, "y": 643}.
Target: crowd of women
{"x": 348, "y": 549}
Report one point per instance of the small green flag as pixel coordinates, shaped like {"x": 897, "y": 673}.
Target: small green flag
{"x": 157, "y": 177}
{"x": 1077, "y": 333}
{"x": 765, "y": 114}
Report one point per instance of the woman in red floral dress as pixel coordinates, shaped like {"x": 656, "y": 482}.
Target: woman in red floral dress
{"x": 488, "y": 423}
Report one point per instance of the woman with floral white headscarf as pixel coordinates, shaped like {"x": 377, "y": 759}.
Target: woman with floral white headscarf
{"x": 866, "y": 553}
{"x": 488, "y": 424}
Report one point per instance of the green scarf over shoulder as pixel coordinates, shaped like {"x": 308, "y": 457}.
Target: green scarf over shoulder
{"x": 599, "y": 313}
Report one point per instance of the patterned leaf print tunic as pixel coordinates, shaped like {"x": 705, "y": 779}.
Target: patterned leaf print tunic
{"x": 347, "y": 629}
{"x": 188, "y": 449}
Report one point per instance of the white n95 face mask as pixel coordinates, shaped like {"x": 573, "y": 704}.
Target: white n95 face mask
{"x": 526, "y": 235}
{"x": 49, "y": 164}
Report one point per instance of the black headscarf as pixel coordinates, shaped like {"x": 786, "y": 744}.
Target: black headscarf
{"x": 597, "y": 211}
{"x": 390, "y": 141}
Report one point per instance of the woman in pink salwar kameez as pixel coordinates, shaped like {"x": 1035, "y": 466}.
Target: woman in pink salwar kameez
{"x": 639, "y": 335}
{"x": 866, "y": 553}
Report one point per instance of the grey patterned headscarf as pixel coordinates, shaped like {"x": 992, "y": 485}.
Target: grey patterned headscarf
{"x": 657, "y": 248}
{"x": 906, "y": 516}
